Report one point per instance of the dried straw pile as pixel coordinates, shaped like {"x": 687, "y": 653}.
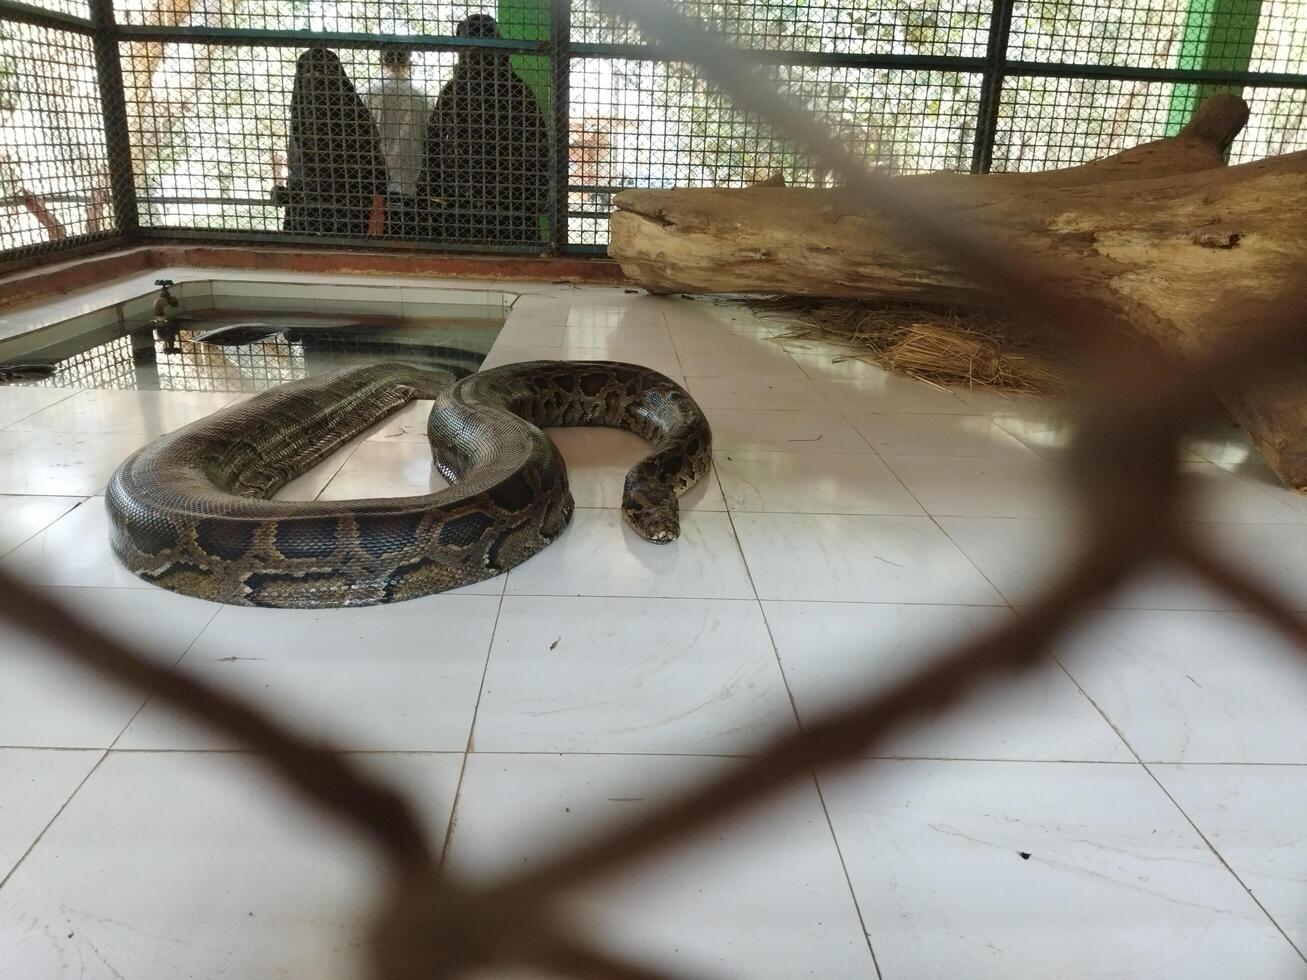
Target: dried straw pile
{"x": 939, "y": 347}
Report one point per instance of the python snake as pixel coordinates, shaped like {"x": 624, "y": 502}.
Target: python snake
{"x": 191, "y": 511}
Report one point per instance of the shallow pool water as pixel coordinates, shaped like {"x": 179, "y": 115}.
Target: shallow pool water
{"x": 243, "y": 347}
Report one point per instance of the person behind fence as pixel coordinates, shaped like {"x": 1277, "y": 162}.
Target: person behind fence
{"x": 337, "y": 174}
{"x": 401, "y": 111}
{"x": 487, "y": 149}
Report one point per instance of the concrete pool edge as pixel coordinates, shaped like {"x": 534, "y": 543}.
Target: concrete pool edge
{"x": 47, "y": 281}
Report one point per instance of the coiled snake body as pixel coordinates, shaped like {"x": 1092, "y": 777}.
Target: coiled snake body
{"x": 190, "y": 512}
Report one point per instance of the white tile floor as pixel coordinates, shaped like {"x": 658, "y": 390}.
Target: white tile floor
{"x": 1130, "y": 810}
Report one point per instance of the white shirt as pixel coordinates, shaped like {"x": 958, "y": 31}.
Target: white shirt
{"x": 400, "y": 110}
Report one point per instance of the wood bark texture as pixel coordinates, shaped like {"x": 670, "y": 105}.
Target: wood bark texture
{"x": 1184, "y": 247}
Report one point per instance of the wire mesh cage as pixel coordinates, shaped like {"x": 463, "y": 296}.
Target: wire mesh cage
{"x": 510, "y": 126}
{"x": 54, "y": 169}
{"x": 643, "y": 123}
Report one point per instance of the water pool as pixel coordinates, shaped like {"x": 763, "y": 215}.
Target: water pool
{"x": 251, "y": 336}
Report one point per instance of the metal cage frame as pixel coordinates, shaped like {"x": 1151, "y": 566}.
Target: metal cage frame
{"x": 1203, "y": 67}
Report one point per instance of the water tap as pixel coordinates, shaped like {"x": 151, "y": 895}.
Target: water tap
{"x": 165, "y": 299}
{"x": 164, "y": 328}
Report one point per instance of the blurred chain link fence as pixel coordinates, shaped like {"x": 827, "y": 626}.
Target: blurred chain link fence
{"x": 432, "y": 924}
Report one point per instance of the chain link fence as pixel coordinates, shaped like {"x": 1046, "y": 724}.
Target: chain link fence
{"x": 507, "y": 127}
{"x": 434, "y": 923}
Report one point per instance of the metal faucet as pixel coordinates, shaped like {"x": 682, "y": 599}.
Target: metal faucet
{"x": 164, "y": 328}
{"x": 165, "y": 299}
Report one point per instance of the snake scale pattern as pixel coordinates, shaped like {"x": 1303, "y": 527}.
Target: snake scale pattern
{"x": 191, "y": 511}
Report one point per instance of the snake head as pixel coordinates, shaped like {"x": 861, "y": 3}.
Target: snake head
{"x": 654, "y": 520}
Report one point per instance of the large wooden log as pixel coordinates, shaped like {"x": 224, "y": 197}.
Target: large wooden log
{"x": 1183, "y": 254}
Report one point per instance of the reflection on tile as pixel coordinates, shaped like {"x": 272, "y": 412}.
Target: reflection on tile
{"x": 712, "y": 337}
{"x": 22, "y": 517}
{"x": 872, "y": 389}
{"x": 586, "y": 296}
{"x": 309, "y": 484}
{"x": 379, "y": 678}
{"x": 149, "y": 412}
{"x": 823, "y": 362}
{"x": 501, "y": 354}
{"x": 631, "y": 675}
{"x": 951, "y": 485}
{"x": 1253, "y": 817}
{"x": 993, "y": 401}
{"x": 74, "y": 550}
{"x": 541, "y": 309}
{"x": 48, "y": 700}
{"x": 1222, "y": 498}
{"x": 253, "y": 884}
{"x": 34, "y": 784}
{"x": 409, "y": 424}
{"x": 662, "y": 361}
{"x": 17, "y": 402}
{"x": 1227, "y": 445}
{"x": 789, "y": 432}
{"x": 597, "y": 463}
{"x": 1021, "y": 556}
{"x": 1194, "y": 686}
{"x": 692, "y": 320}
{"x": 385, "y": 469}
{"x": 600, "y": 555}
{"x": 1003, "y": 869}
{"x": 624, "y": 318}
{"x": 920, "y": 434}
{"x": 631, "y": 333}
{"x": 835, "y": 653}
{"x": 762, "y": 897}
{"x": 858, "y": 559}
{"x": 1049, "y": 433}
{"x": 1254, "y": 473}
{"x": 526, "y": 332}
{"x": 62, "y": 463}
{"x": 732, "y": 356}
{"x": 772, "y": 394}
{"x": 811, "y": 483}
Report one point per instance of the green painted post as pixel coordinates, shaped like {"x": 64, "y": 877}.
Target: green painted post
{"x": 1219, "y": 35}
{"x": 528, "y": 20}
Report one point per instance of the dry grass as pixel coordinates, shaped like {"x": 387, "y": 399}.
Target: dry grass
{"x": 942, "y": 348}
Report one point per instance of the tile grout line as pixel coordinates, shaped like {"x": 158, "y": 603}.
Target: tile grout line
{"x": 1052, "y": 655}
{"x": 104, "y": 754}
{"x": 45, "y": 527}
{"x": 1262, "y": 488}
{"x": 821, "y": 798}
{"x": 336, "y": 472}
{"x": 1138, "y": 760}
{"x": 1221, "y": 857}
{"x": 816, "y": 781}
{"x": 794, "y": 709}
{"x": 149, "y": 697}
{"x": 1002, "y": 603}
{"x": 451, "y": 824}
{"x": 72, "y": 393}
{"x": 667, "y": 329}
{"x": 990, "y": 760}
{"x": 1147, "y": 768}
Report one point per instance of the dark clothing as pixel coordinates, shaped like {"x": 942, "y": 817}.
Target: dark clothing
{"x": 487, "y": 155}
{"x": 406, "y": 217}
{"x": 336, "y": 165}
